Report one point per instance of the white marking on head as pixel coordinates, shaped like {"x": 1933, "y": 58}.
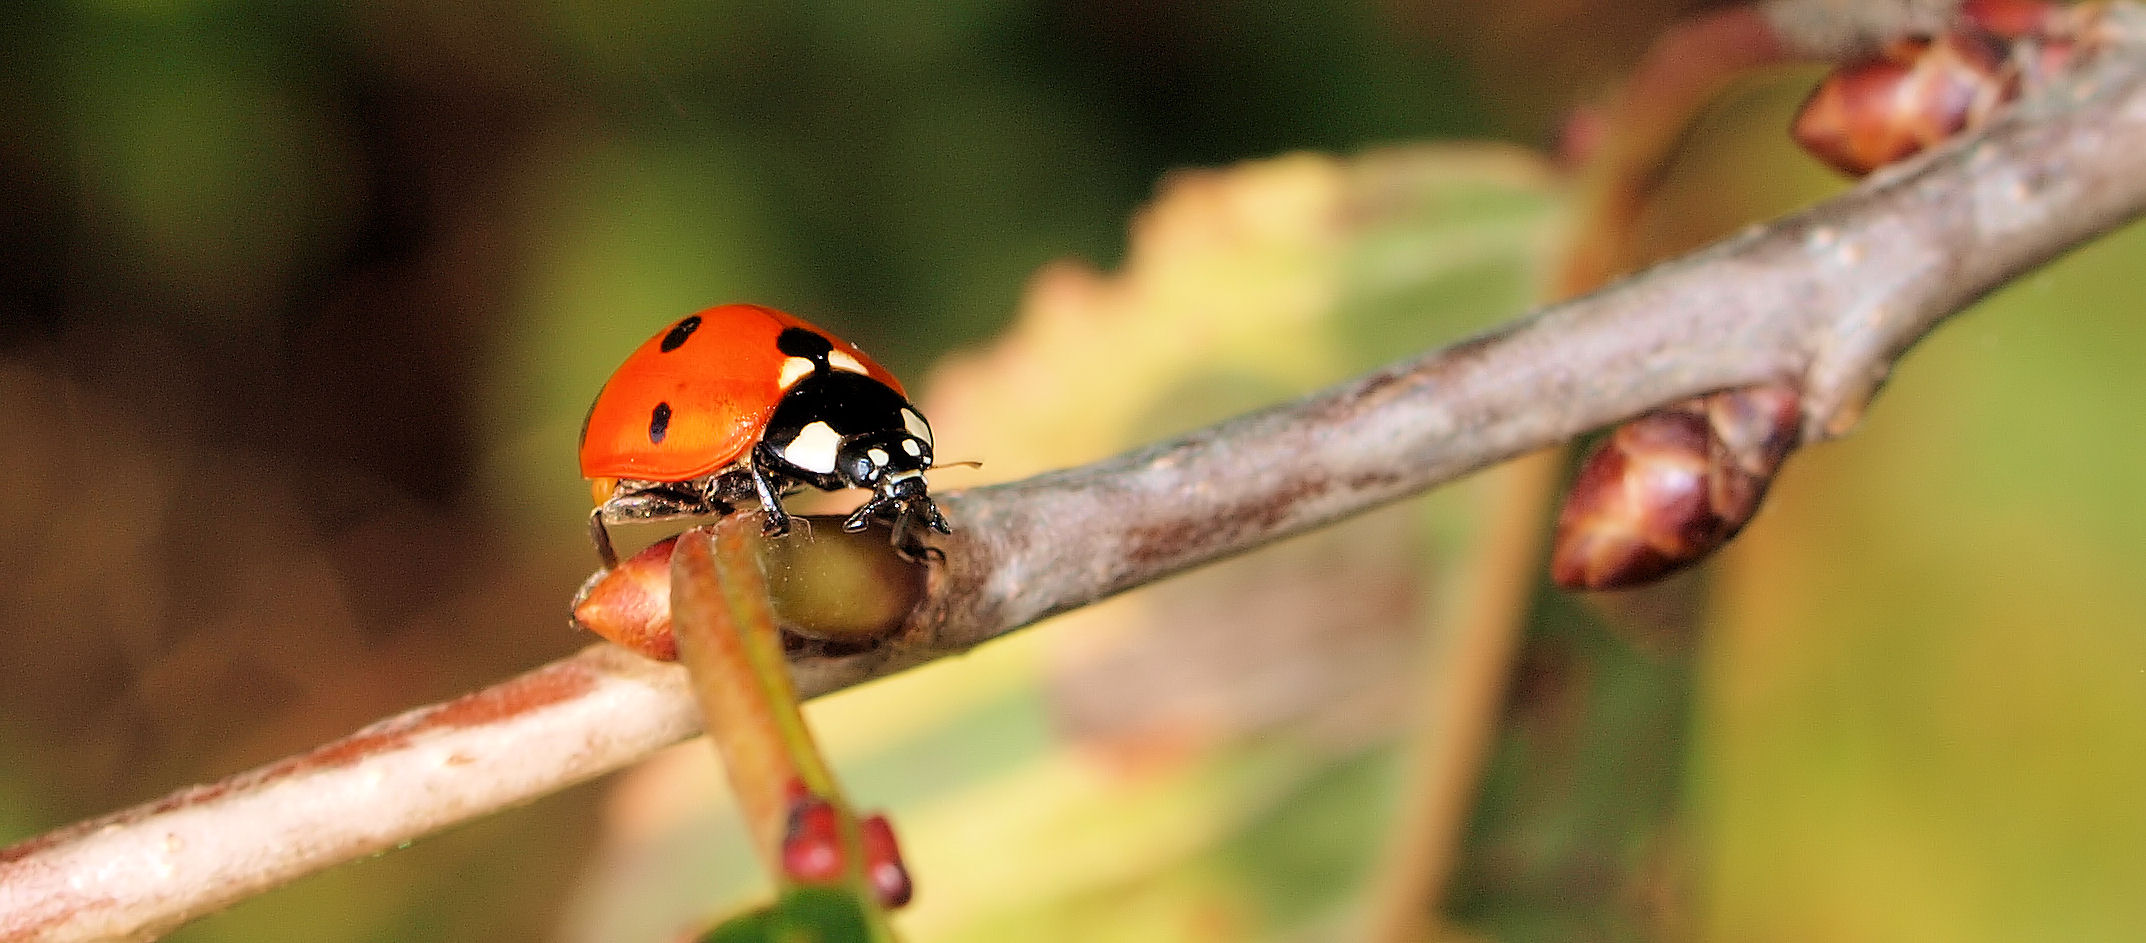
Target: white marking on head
{"x": 910, "y": 446}
{"x": 793, "y": 370}
{"x": 893, "y": 477}
{"x": 878, "y": 456}
{"x": 843, "y": 361}
{"x": 814, "y": 448}
{"x": 916, "y": 425}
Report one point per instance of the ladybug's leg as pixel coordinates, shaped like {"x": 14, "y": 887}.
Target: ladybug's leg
{"x": 778, "y": 520}
{"x": 905, "y": 538}
{"x": 602, "y": 538}
{"x": 636, "y": 501}
{"x": 935, "y": 520}
{"x": 908, "y": 545}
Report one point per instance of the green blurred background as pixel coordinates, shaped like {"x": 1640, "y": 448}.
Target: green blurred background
{"x": 300, "y": 306}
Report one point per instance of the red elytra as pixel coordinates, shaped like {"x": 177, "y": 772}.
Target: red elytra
{"x": 719, "y": 395}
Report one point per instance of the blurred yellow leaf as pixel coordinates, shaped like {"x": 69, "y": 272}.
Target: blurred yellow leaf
{"x": 1931, "y": 671}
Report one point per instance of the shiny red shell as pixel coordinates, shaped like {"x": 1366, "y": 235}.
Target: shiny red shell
{"x": 715, "y": 389}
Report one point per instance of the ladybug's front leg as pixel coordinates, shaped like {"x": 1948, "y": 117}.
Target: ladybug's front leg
{"x": 777, "y": 521}
{"x": 909, "y": 544}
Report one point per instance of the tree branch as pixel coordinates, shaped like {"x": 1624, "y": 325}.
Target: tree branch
{"x": 1829, "y": 299}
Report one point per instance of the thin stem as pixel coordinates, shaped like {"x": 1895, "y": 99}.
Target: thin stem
{"x": 742, "y": 708}
{"x": 1467, "y": 668}
{"x": 732, "y": 650}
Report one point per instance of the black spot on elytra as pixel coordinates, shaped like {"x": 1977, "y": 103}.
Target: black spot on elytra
{"x": 678, "y": 334}
{"x": 659, "y": 423}
{"x": 798, "y": 342}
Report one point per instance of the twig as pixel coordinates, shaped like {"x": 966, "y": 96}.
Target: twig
{"x": 142, "y": 871}
{"x": 1828, "y": 298}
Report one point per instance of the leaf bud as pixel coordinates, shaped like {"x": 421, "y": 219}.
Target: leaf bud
{"x": 1665, "y": 490}
{"x": 883, "y": 867}
{"x": 1914, "y": 95}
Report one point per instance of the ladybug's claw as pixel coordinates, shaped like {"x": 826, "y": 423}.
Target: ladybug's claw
{"x": 907, "y": 512}
{"x": 777, "y": 521}
{"x": 858, "y": 519}
{"x": 775, "y": 524}
{"x": 906, "y": 542}
{"x": 935, "y": 520}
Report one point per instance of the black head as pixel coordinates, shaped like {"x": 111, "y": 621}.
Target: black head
{"x": 883, "y": 458}
{"x": 848, "y": 430}
{"x": 837, "y": 429}
{"x": 840, "y": 429}
{"x": 892, "y": 464}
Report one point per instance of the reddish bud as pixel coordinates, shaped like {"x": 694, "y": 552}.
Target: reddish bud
{"x": 1672, "y": 486}
{"x": 812, "y": 842}
{"x": 1916, "y": 94}
{"x": 631, "y": 603}
{"x": 2009, "y": 19}
{"x": 883, "y": 863}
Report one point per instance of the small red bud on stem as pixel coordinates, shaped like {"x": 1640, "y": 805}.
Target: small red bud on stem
{"x": 812, "y": 850}
{"x": 1915, "y": 95}
{"x": 630, "y": 604}
{"x": 812, "y": 842}
{"x": 1669, "y": 488}
{"x": 883, "y": 863}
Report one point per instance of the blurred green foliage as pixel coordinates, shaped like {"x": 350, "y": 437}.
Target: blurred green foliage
{"x": 800, "y": 915}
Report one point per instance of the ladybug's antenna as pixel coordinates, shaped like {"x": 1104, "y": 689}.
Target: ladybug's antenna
{"x": 971, "y": 464}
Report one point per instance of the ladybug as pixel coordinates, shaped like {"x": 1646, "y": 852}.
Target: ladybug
{"x": 741, "y": 404}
